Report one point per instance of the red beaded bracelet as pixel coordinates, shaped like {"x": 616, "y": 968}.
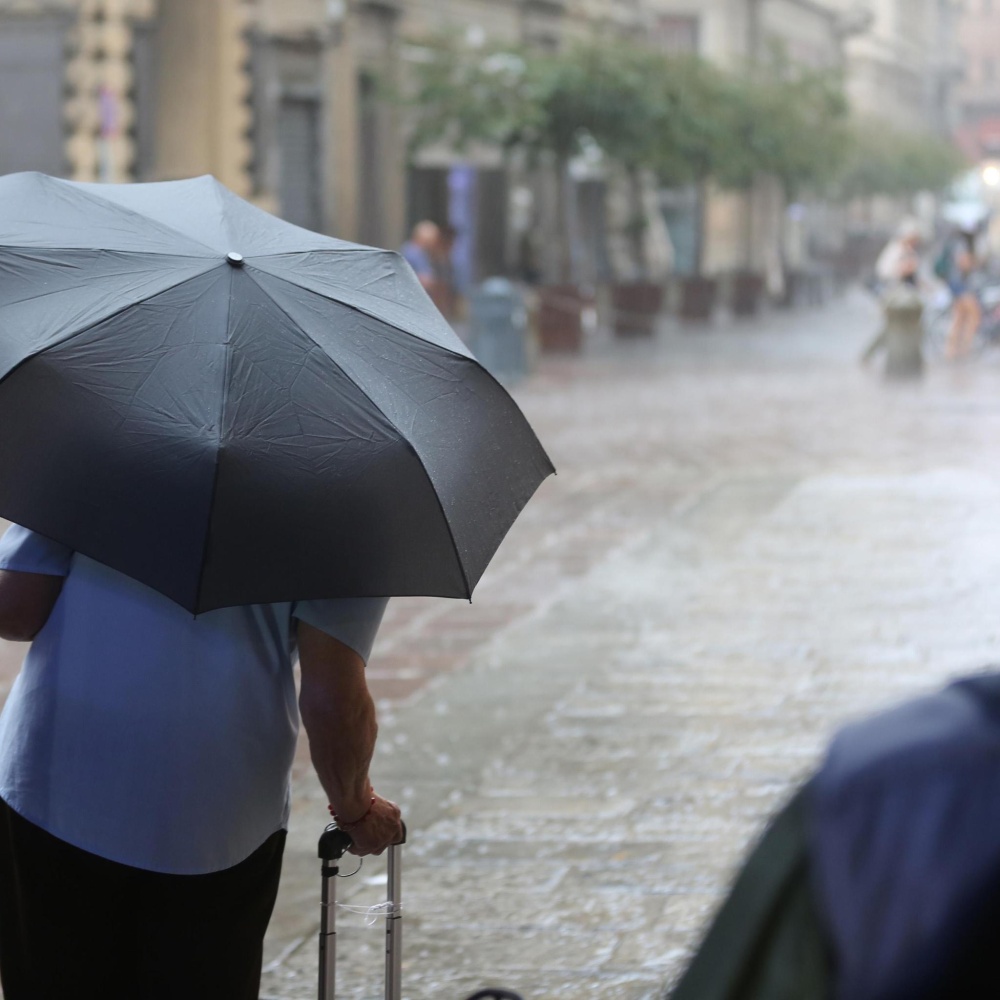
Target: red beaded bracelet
{"x": 353, "y": 822}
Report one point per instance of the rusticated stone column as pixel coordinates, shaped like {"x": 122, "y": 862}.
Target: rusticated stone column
{"x": 99, "y": 108}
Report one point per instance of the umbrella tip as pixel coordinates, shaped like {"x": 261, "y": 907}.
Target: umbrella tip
{"x": 234, "y": 259}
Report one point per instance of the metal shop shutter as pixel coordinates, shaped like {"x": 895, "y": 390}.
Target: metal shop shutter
{"x": 31, "y": 94}
{"x": 299, "y": 141}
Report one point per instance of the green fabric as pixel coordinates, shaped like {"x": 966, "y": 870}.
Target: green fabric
{"x": 766, "y": 942}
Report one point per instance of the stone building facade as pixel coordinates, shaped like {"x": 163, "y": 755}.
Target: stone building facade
{"x": 277, "y": 98}
{"x": 903, "y": 67}
{"x": 978, "y": 90}
{"x": 280, "y": 100}
{"x": 745, "y": 230}
{"x": 899, "y": 62}
{"x": 118, "y": 90}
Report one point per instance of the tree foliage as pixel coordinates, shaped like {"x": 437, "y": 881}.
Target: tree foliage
{"x": 678, "y": 116}
{"x": 887, "y": 161}
{"x": 515, "y": 96}
{"x": 787, "y": 121}
{"x": 461, "y": 94}
{"x": 695, "y": 140}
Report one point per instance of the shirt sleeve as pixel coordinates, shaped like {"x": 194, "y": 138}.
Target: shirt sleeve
{"x": 354, "y": 621}
{"x": 25, "y": 551}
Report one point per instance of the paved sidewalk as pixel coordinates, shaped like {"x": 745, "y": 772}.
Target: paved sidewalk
{"x": 750, "y": 540}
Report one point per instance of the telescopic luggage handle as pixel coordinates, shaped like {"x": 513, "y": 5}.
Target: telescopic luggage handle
{"x": 333, "y": 845}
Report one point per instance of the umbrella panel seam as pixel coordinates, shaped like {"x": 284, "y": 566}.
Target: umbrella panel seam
{"x": 218, "y": 450}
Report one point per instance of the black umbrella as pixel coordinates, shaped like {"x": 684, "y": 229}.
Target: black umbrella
{"x": 234, "y": 410}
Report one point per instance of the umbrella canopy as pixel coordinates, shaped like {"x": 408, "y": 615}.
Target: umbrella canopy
{"x": 235, "y": 410}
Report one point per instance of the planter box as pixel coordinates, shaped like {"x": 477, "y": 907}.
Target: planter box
{"x": 746, "y": 293}
{"x": 560, "y": 319}
{"x": 636, "y": 305}
{"x": 697, "y": 298}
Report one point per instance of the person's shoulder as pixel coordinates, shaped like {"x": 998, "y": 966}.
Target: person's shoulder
{"x": 354, "y": 621}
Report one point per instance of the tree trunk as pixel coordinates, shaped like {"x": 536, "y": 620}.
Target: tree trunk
{"x": 564, "y": 260}
{"x": 748, "y": 227}
{"x": 701, "y": 213}
{"x": 636, "y": 223}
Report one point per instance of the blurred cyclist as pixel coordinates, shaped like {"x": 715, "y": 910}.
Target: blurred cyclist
{"x": 961, "y": 267}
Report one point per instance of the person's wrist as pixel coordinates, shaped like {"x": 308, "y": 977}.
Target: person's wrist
{"x": 353, "y": 807}
{"x": 346, "y": 824}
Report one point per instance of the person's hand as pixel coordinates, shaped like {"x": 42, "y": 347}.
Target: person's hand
{"x": 381, "y": 827}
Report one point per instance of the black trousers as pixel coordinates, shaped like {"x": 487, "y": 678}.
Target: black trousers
{"x": 76, "y": 925}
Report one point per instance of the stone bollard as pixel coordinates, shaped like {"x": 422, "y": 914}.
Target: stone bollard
{"x": 904, "y": 335}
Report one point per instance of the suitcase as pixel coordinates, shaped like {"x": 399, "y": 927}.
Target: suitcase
{"x": 333, "y": 845}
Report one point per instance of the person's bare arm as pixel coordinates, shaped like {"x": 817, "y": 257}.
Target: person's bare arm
{"x": 26, "y": 600}
{"x": 339, "y": 717}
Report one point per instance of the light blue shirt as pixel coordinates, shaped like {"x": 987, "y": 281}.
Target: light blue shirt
{"x": 146, "y": 735}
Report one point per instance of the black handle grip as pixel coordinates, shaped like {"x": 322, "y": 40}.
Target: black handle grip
{"x": 335, "y": 843}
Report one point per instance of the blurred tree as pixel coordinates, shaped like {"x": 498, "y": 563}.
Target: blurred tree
{"x": 546, "y": 104}
{"x": 881, "y": 160}
{"x": 461, "y": 94}
{"x": 605, "y": 90}
{"x": 790, "y": 122}
{"x": 696, "y": 139}
{"x": 464, "y": 94}
{"x": 687, "y": 121}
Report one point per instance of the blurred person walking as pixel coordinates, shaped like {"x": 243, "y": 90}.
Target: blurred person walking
{"x": 420, "y": 250}
{"x": 900, "y": 260}
{"x": 960, "y": 265}
{"x": 899, "y": 266}
{"x": 445, "y": 273}
{"x": 429, "y": 252}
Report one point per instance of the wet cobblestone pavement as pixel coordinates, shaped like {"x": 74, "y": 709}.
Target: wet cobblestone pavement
{"x": 750, "y": 540}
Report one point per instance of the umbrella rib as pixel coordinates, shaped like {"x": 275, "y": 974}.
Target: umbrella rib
{"x": 346, "y": 247}
{"x": 223, "y": 218}
{"x": 218, "y": 450}
{"x": 402, "y": 437}
{"x": 145, "y": 253}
